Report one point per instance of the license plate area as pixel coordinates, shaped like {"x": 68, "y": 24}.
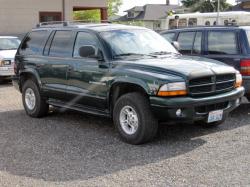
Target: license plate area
{"x": 215, "y": 116}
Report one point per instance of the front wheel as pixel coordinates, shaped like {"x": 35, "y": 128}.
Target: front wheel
{"x": 133, "y": 119}
{"x": 35, "y": 106}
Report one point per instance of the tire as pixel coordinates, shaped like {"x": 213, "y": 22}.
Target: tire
{"x": 138, "y": 104}
{"x": 248, "y": 98}
{"x": 39, "y": 107}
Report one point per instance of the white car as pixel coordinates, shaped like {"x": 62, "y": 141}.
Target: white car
{"x": 8, "y": 48}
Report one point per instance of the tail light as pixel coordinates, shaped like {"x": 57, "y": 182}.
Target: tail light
{"x": 245, "y": 67}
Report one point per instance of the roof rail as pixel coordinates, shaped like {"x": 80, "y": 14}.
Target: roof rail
{"x": 69, "y": 23}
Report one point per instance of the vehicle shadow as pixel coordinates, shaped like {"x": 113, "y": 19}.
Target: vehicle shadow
{"x": 71, "y": 146}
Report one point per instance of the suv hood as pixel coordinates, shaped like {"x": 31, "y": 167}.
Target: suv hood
{"x": 183, "y": 65}
{"x": 7, "y": 54}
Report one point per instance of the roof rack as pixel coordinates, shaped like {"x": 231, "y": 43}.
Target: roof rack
{"x": 69, "y": 23}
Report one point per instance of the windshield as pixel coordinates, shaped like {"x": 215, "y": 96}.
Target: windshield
{"x": 9, "y": 43}
{"x": 137, "y": 41}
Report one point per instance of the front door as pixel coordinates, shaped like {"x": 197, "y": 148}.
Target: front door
{"x": 87, "y": 79}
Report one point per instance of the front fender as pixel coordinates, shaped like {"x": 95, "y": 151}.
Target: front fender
{"x": 33, "y": 73}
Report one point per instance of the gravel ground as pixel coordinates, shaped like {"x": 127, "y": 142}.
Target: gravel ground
{"x": 72, "y": 149}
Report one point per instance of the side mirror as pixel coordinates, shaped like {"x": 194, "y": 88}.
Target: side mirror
{"x": 176, "y": 45}
{"x": 87, "y": 51}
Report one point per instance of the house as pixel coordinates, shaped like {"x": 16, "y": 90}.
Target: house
{"x": 151, "y": 15}
{"x": 242, "y": 5}
{"x": 19, "y": 16}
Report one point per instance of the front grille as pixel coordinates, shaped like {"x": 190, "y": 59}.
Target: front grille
{"x": 213, "y": 107}
{"x": 211, "y": 84}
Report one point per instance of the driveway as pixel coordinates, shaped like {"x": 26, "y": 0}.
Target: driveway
{"x": 73, "y": 149}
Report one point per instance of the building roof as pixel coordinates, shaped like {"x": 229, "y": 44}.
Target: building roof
{"x": 150, "y": 12}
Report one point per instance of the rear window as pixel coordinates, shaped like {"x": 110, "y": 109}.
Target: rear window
{"x": 33, "y": 44}
{"x": 61, "y": 45}
{"x": 221, "y": 42}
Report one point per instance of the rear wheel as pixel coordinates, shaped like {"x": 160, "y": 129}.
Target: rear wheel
{"x": 133, "y": 119}
{"x": 34, "y": 104}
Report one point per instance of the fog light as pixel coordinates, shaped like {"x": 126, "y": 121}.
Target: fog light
{"x": 237, "y": 102}
{"x": 179, "y": 113}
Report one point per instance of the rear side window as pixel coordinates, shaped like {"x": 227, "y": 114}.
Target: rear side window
{"x": 33, "y": 44}
{"x": 169, "y": 36}
{"x": 186, "y": 39}
{"x": 61, "y": 45}
{"x": 220, "y": 42}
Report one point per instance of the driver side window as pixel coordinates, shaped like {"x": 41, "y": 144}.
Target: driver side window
{"x": 84, "y": 39}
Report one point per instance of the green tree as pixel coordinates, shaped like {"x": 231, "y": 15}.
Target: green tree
{"x": 206, "y": 5}
{"x": 94, "y": 15}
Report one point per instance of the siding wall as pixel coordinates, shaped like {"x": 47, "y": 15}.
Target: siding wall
{"x": 19, "y": 16}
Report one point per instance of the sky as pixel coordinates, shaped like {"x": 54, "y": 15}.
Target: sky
{"x": 127, "y": 4}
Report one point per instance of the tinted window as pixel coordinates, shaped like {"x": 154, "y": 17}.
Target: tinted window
{"x": 82, "y": 39}
{"x": 222, "y": 43}
{"x": 248, "y": 36}
{"x": 33, "y": 44}
{"x": 197, "y": 43}
{"x": 185, "y": 40}
{"x": 61, "y": 45}
{"x": 169, "y": 36}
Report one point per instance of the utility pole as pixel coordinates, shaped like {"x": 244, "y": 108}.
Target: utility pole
{"x": 218, "y": 13}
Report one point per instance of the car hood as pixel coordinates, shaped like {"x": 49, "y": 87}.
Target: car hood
{"x": 183, "y": 65}
{"x": 7, "y": 54}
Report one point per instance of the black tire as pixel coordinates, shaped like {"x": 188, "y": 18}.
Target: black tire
{"x": 41, "y": 107}
{"x": 147, "y": 124}
{"x": 248, "y": 98}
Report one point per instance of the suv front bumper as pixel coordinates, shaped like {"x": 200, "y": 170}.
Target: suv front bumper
{"x": 165, "y": 108}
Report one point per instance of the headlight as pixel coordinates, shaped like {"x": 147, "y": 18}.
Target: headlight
{"x": 238, "y": 82}
{"x": 173, "y": 89}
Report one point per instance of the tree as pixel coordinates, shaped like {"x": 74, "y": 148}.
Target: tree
{"x": 206, "y": 5}
{"x": 94, "y": 15}
{"x": 113, "y": 7}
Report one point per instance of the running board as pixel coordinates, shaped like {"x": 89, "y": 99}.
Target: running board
{"x": 79, "y": 108}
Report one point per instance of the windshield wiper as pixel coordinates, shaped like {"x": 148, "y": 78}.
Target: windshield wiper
{"x": 133, "y": 54}
{"x": 164, "y": 53}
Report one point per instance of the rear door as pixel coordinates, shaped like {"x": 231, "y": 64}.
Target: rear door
{"x": 58, "y": 55}
{"x": 223, "y": 45}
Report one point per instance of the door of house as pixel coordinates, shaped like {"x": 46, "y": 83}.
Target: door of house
{"x": 50, "y": 16}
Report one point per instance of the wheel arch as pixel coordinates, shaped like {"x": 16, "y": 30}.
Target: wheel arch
{"x": 29, "y": 74}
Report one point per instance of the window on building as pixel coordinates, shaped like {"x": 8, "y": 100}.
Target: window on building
{"x": 192, "y": 22}
{"x": 61, "y": 45}
{"x": 82, "y": 39}
{"x": 50, "y": 16}
{"x": 221, "y": 42}
{"x": 182, "y": 23}
{"x": 131, "y": 14}
{"x": 172, "y": 24}
{"x": 33, "y": 44}
{"x": 185, "y": 40}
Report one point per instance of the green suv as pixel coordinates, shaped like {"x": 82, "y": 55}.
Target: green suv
{"x": 130, "y": 74}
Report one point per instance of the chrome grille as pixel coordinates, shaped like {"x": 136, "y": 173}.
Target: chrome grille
{"x": 210, "y": 85}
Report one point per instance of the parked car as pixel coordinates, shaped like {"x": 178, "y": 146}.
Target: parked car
{"x": 8, "y": 48}
{"x": 230, "y": 45}
{"x": 128, "y": 73}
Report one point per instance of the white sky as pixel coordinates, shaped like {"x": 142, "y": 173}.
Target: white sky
{"x": 127, "y": 4}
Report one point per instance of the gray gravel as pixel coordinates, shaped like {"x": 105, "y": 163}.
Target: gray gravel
{"x": 72, "y": 149}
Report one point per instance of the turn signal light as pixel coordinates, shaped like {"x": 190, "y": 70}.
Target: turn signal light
{"x": 172, "y": 93}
